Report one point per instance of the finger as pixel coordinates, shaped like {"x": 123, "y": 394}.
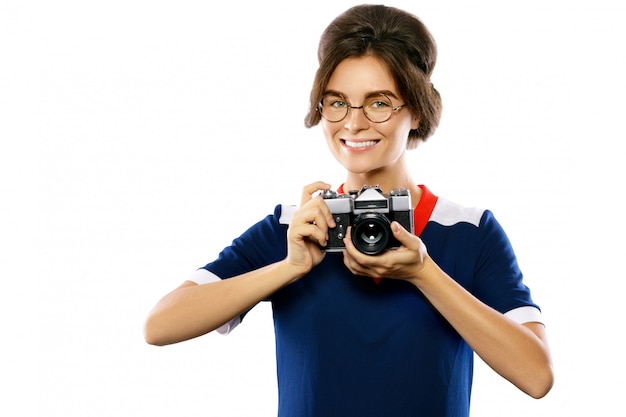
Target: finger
{"x": 307, "y": 231}
{"x": 352, "y": 265}
{"x": 355, "y": 255}
{"x": 406, "y": 239}
{"x": 316, "y": 212}
{"x": 357, "y": 268}
{"x": 320, "y": 204}
{"x": 315, "y": 233}
{"x": 323, "y": 218}
{"x": 328, "y": 215}
{"x": 309, "y": 190}
{"x": 370, "y": 265}
{"x": 311, "y": 222}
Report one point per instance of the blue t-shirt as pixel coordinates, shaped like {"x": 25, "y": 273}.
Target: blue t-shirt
{"x": 348, "y": 346}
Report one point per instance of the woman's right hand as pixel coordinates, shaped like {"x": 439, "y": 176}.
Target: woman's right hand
{"x": 308, "y": 230}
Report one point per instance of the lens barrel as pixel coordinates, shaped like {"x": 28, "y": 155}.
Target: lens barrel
{"x": 371, "y": 233}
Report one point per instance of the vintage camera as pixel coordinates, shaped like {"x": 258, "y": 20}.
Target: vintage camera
{"x": 370, "y": 213}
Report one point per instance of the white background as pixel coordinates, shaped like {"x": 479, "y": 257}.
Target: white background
{"x": 139, "y": 137}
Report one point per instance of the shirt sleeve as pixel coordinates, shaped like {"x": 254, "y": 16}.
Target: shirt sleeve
{"x": 499, "y": 279}
{"x": 262, "y": 244}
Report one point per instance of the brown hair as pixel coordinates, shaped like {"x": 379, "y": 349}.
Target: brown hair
{"x": 400, "y": 40}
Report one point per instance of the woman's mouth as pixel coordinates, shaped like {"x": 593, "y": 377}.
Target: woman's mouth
{"x": 359, "y": 144}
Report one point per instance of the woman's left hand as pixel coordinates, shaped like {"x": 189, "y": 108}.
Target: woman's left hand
{"x": 405, "y": 262}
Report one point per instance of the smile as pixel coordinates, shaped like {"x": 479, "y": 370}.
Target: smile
{"x": 360, "y": 144}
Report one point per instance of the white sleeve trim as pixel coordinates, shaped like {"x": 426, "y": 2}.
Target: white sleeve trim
{"x": 525, "y": 314}
{"x": 286, "y": 213}
{"x": 201, "y": 277}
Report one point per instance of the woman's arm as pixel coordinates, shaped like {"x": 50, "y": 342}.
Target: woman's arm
{"x": 518, "y": 352}
{"x": 192, "y": 310}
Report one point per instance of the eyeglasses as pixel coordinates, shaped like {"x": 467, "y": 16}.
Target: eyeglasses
{"x": 378, "y": 108}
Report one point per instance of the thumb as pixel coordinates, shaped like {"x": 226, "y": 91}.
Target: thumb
{"x": 403, "y": 236}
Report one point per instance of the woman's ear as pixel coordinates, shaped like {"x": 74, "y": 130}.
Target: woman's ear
{"x": 415, "y": 123}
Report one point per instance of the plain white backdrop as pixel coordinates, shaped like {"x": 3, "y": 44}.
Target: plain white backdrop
{"x": 139, "y": 137}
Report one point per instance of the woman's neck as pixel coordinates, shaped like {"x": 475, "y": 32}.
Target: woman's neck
{"x": 386, "y": 181}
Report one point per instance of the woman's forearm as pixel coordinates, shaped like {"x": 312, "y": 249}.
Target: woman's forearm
{"x": 192, "y": 310}
{"x": 518, "y": 352}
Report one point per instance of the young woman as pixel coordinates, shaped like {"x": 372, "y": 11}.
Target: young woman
{"x": 392, "y": 333}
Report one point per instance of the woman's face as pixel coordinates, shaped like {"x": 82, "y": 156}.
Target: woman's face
{"x": 362, "y": 146}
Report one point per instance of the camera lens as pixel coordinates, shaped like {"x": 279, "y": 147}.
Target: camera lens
{"x": 371, "y": 233}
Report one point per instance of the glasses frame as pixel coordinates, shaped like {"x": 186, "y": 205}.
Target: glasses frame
{"x": 362, "y": 107}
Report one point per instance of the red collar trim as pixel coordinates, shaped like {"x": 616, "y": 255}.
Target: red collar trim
{"x": 423, "y": 210}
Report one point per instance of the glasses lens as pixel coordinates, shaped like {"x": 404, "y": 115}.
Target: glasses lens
{"x": 333, "y": 107}
{"x": 378, "y": 108}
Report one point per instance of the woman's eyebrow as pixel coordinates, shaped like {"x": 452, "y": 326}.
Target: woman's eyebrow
{"x": 369, "y": 94}
{"x": 388, "y": 93}
{"x": 333, "y": 92}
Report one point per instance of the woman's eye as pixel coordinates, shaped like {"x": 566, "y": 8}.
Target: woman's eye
{"x": 378, "y": 104}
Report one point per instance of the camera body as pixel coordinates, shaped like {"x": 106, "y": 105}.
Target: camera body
{"x": 370, "y": 213}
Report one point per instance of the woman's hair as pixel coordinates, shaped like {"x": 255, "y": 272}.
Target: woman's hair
{"x": 400, "y": 40}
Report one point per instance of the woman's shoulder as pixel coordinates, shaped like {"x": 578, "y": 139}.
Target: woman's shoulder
{"x": 449, "y": 213}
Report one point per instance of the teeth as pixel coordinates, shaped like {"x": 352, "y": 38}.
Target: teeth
{"x": 360, "y": 144}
